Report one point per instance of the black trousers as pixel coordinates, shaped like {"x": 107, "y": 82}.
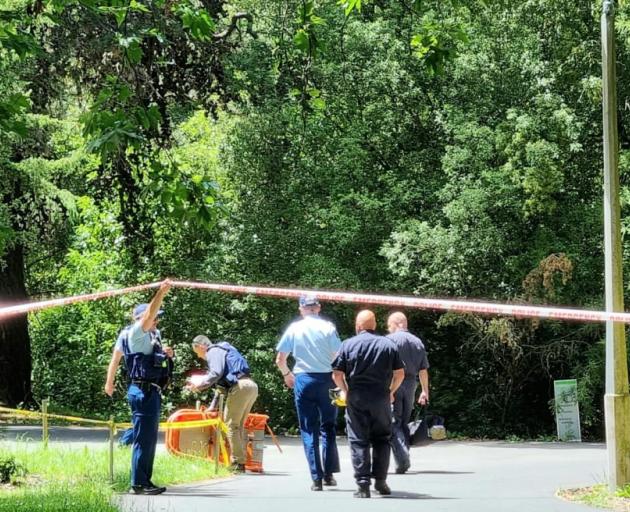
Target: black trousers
{"x": 369, "y": 425}
{"x": 403, "y": 408}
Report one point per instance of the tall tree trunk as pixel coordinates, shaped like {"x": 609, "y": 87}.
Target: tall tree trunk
{"x": 15, "y": 343}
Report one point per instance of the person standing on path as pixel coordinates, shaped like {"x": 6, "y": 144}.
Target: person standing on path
{"x": 229, "y": 370}
{"x": 126, "y": 437}
{"x": 313, "y": 342}
{"x": 369, "y": 370}
{"x": 149, "y": 368}
{"x": 414, "y": 355}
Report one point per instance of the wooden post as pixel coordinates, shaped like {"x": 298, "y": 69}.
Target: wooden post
{"x": 112, "y": 433}
{"x": 45, "y": 422}
{"x": 616, "y": 400}
{"x": 217, "y": 436}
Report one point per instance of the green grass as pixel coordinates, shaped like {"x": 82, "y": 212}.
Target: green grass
{"x": 64, "y": 479}
{"x": 599, "y": 496}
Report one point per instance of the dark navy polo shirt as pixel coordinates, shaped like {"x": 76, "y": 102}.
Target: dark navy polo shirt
{"x": 412, "y": 352}
{"x": 369, "y": 361}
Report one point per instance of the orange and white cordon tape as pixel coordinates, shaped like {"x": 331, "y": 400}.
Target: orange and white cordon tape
{"x": 486, "y": 308}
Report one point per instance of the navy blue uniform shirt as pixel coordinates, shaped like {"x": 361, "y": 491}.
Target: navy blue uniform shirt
{"x": 412, "y": 352}
{"x": 369, "y": 361}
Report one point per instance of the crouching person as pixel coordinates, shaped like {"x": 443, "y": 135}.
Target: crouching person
{"x": 228, "y": 369}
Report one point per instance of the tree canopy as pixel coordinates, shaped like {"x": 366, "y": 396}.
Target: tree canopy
{"x": 435, "y": 147}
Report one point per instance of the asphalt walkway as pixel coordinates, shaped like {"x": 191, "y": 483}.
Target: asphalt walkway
{"x": 445, "y": 476}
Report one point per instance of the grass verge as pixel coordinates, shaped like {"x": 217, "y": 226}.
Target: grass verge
{"x": 66, "y": 479}
{"x": 600, "y": 497}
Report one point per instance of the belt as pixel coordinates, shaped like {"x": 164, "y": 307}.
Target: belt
{"x": 146, "y": 385}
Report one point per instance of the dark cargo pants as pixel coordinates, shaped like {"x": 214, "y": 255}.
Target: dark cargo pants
{"x": 369, "y": 425}
{"x": 403, "y": 408}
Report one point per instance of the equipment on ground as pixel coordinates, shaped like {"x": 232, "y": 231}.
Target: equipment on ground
{"x": 200, "y": 441}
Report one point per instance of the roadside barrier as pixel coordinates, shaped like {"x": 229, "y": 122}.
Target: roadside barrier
{"x": 460, "y": 306}
{"x": 216, "y": 423}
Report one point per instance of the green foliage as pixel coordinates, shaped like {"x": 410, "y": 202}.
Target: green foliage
{"x": 10, "y": 470}
{"x": 350, "y": 5}
{"x": 436, "y": 42}
{"x": 443, "y": 148}
{"x": 194, "y": 19}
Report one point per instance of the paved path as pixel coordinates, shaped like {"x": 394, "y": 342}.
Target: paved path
{"x": 445, "y": 476}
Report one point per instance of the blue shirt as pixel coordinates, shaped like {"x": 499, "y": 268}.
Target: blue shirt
{"x": 313, "y": 342}
{"x": 138, "y": 340}
{"x": 216, "y": 366}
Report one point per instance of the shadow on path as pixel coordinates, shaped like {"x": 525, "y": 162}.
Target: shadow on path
{"x": 400, "y": 495}
{"x": 404, "y": 495}
{"x": 436, "y": 472}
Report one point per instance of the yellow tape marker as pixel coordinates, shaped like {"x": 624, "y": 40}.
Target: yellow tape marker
{"x": 163, "y": 425}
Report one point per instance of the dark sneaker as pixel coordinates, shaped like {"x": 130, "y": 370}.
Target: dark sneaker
{"x": 329, "y": 480}
{"x": 401, "y": 470}
{"x": 147, "y": 489}
{"x": 382, "y": 488}
{"x": 363, "y": 491}
{"x": 317, "y": 485}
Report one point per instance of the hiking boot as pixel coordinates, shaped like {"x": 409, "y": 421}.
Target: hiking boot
{"x": 317, "y": 485}
{"x": 147, "y": 489}
{"x": 363, "y": 491}
{"x": 382, "y": 488}
{"x": 329, "y": 481}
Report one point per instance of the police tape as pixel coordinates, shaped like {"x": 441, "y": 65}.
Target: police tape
{"x": 401, "y": 301}
{"x": 31, "y": 307}
{"x": 398, "y": 301}
{"x": 35, "y": 414}
{"x": 224, "y": 455}
{"x": 75, "y": 419}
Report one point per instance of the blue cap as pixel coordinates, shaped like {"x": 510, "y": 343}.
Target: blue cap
{"x": 309, "y": 300}
{"x": 139, "y": 310}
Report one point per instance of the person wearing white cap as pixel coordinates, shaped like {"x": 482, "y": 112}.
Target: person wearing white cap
{"x": 313, "y": 342}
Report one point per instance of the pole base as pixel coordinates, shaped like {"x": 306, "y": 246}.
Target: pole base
{"x": 617, "y": 413}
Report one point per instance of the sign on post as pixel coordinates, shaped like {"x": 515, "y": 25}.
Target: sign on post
{"x": 567, "y": 410}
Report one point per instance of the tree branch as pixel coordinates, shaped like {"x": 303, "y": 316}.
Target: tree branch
{"x": 220, "y": 36}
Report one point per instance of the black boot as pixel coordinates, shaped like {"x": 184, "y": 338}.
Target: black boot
{"x": 382, "y": 488}
{"x": 363, "y": 491}
{"x": 329, "y": 480}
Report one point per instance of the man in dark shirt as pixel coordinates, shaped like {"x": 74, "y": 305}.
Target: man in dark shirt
{"x": 414, "y": 355}
{"x": 368, "y": 369}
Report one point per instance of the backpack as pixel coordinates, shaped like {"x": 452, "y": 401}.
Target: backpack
{"x": 236, "y": 365}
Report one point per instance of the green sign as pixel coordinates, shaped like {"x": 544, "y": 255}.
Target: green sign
{"x": 567, "y": 410}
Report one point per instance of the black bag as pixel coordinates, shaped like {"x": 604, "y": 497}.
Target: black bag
{"x": 419, "y": 429}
